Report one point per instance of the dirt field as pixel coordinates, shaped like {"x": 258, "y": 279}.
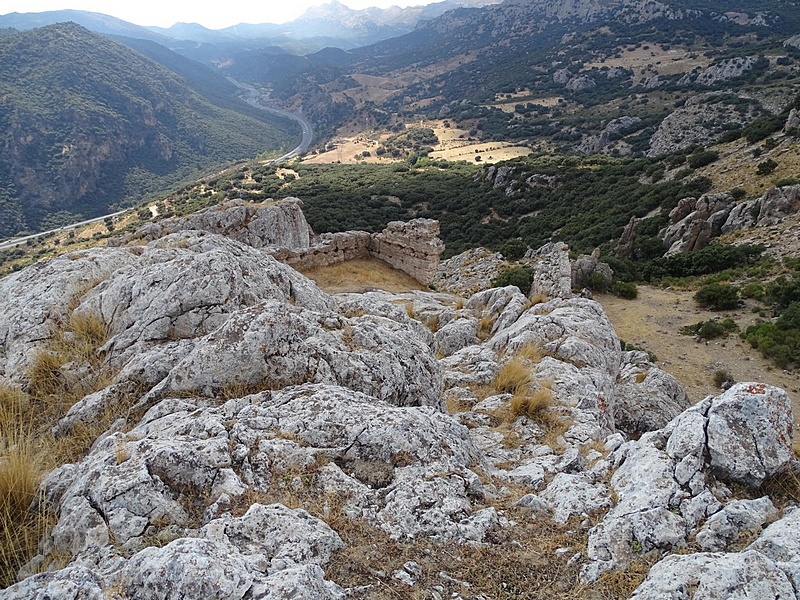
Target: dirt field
{"x": 349, "y": 150}
{"x": 650, "y": 59}
{"x": 507, "y": 105}
{"x": 453, "y": 145}
{"x": 653, "y": 322}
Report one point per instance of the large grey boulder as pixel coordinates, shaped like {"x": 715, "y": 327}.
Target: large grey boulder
{"x": 750, "y": 433}
{"x": 269, "y": 223}
{"x": 274, "y": 344}
{"x": 71, "y": 583}
{"x": 187, "y": 568}
{"x": 737, "y": 518}
{"x": 737, "y": 576}
{"x": 780, "y": 542}
{"x": 646, "y": 398}
{"x": 180, "y": 286}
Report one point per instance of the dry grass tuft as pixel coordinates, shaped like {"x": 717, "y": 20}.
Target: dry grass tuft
{"x": 433, "y": 323}
{"x": 538, "y": 299}
{"x": 784, "y": 487}
{"x": 530, "y": 352}
{"x": 514, "y": 377}
{"x": 532, "y": 405}
{"x": 44, "y": 374}
{"x": 410, "y": 311}
{"x": 459, "y": 303}
{"x": 22, "y": 465}
{"x": 485, "y": 328}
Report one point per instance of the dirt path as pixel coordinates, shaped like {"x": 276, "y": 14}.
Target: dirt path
{"x": 653, "y": 321}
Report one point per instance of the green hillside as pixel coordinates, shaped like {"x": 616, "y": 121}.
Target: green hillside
{"x": 88, "y": 123}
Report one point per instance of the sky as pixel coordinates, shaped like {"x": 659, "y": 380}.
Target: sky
{"x": 213, "y": 15}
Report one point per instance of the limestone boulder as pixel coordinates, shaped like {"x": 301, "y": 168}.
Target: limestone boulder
{"x": 269, "y": 223}
{"x": 750, "y": 433}
{"x": 646, "y": 397}
{"x": 780, "y": 542}
{"x": 71, "y": 583}
{"x": 748, "y": 575}
{"x": 737, "y": 518}
{"x": 273, "y": 344}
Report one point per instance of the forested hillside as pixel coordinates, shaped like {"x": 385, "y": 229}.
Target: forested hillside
{"x": 88, "y": 123}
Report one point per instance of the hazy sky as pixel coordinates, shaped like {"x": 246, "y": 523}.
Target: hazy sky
{"x": 214, "y": 15}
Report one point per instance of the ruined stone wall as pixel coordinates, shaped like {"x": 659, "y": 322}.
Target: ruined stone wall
{"x": 413, "y": 247}
{"x": 328, "y": 249}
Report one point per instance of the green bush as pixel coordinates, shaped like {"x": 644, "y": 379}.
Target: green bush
{"x": 752, "y": 290}
{"x": 625, "y": 289}
{"x": 717, "y": 296}
{"x": 766, "y": 167}
{"x": 701, "y": 159}
{"x": 709, "y": 330}
{"x": 598, "y": 282}
{"x": 514, "y": 249}
{"x": 518, "y": 276}
{"x": 779, "y": 341}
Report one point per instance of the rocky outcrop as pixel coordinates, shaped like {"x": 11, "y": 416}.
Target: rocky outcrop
{"x": 614, "y": 130}
{"x": 587, "y": 265}
{"x": 271, "y": 223}
{"x": 647, "y": 398}
{"x": 552, "y": 271}
{"x": 469, "y": 272}
{"x": 695, "y": 221}
{"x": 726, "y": 69}
{"x": 580, "y": 83}
{"x": 662, "y": 485}
{"x": 697, "y": 122}
{"x": 627, "y": 241}
{"x": 276, "y": 394}
{"x": 775, "y": 205}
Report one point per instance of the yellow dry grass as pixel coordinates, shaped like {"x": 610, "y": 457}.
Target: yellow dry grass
{"x": 514, "y": 377}
{"x": 362, "y": 275}
{"x": 485, "y": 326}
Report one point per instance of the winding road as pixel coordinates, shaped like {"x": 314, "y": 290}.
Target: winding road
{"x": 252, "y": 97}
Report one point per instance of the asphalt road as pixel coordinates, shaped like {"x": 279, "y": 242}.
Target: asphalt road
{"x": 21, "y": 240}
{"x": 251, "y": 97}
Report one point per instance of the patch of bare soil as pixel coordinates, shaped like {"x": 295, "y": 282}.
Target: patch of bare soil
{"x": 653, "y": 321}
{"x": 362, "y": 275}
{"x": 651, "y": 59}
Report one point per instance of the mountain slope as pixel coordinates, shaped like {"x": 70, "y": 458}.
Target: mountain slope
{"x": 88, "y": 123}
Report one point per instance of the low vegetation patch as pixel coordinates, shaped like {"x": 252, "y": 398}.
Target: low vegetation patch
{"x": 718, "y": 296}
{"x": 709, "y": 330}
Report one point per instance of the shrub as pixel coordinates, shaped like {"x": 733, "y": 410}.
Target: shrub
{"x": 752, "y": 290}
{"x": 738, "y": 193}
{"x": 514, "y": 249}
{"x": 522, "y": 277}
{"x": 717, "y": 296}
{"x": 598, "y": 282}
{"x": 723, "y": 379}
{"x": 625, "y": 290}
{"x": 766, "y": 167}
{"x": 701, "y": 159}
